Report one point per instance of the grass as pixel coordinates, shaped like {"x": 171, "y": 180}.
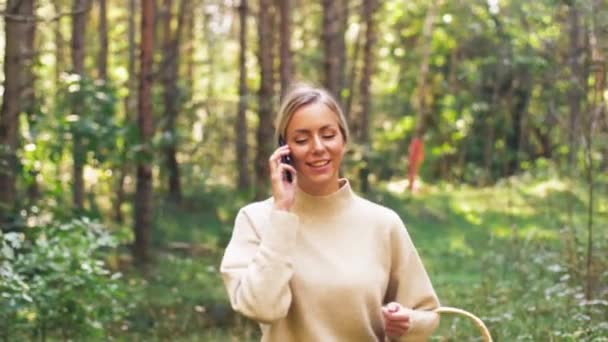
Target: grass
{"x": 512, "y": 254}
{"x": 502, "y": 253}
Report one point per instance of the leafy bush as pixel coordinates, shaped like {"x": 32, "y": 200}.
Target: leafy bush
{"x": 53, "y": 281}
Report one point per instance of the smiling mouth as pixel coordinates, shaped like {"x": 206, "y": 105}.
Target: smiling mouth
{"x": 319, "y": 163}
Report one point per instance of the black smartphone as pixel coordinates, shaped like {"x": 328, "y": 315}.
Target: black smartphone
{"x": 287, "y": 160}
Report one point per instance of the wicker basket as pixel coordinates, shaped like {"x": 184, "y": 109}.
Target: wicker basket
{"x": 485, "y": 333}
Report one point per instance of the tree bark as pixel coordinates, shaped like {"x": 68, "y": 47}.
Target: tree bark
{"x": 244, "y": 182}
{"x": 352, "y": 79}
{"x": 130, "y": 108}
{"x": 59, "y": 43}
{"x": 170, "y": 67}
{"x": 79, "y": 19}
{"x": 102, "y": 57}
{"x": 286, "y": 55}
{"x": 189, "y": 48}
{"x": 368, "y": 13}
{"x": 14, "y": 78}
{"x": 143, "y": 195}
{"x": 30, "y": 101}
{"x": 576, "y": 91}
{"x": 593, "y": 117}
{"x": 266, "y": 96}
{"x": 422, "y": 95}
{"x": 334, "y": 47}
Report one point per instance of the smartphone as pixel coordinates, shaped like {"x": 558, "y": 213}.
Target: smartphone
{"x": 287, "y": 160}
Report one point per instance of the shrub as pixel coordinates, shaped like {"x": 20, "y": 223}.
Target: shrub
{"x": 53, "y": 281}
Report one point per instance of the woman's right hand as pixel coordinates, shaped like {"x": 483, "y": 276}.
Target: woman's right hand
{"x": 282, "y": 190}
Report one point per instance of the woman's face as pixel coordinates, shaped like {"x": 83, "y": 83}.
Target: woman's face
{"x": 317, "y": 148}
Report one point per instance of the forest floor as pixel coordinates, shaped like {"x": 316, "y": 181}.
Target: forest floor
{"x": 513, "y": 254}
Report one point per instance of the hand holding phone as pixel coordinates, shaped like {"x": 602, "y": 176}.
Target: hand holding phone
{"x": 283, "y": 177}
{"x": 287, "y": 160}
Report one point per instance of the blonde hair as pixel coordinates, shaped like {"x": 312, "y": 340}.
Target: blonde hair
{"x": 303, "y": 94}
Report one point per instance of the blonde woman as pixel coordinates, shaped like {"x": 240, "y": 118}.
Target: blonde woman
{"x": 315, "y": 262}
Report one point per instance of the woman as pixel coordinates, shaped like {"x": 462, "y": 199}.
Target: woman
{"x": 316, "y": 262}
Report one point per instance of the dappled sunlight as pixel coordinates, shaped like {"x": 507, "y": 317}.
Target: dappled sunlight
{"x": 536, "y": 233}
{"x": 528, "y": 233}
{"x": 547, "y": 187}
{"x": 397, "y": 187}
{"x": 469, "y": 213}
{"x": 458, "y": 244}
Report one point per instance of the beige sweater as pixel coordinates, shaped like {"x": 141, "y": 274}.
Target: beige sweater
{"x": 322, "y": 271}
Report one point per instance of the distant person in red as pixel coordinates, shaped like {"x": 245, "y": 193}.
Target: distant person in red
{"x": 416, "y": 157}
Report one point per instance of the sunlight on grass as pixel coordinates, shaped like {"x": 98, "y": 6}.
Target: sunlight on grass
{"x": 397, "y": 187}
{"x": 458, "y": 244}
{"x": 544, "y": 188}
{"x": 470, "y": 214}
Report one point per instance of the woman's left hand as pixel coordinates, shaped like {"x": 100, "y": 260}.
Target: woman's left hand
{"x": 396, "y": 319}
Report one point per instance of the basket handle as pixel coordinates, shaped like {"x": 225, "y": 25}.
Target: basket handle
{"x": 478, "y": 322}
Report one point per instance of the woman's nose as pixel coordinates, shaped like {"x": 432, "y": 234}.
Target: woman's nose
{"x": 318, "y": 143}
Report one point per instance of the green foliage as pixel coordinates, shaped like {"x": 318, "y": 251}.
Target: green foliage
{"x": 53, "y": 281}
{"x": 95, "y": 124}
{"x": 509, "y": 255}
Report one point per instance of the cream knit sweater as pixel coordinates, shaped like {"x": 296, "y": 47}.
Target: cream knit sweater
{"x": 321, "y": 272}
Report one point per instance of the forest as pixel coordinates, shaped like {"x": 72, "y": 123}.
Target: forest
{"x": 132, "y": 132}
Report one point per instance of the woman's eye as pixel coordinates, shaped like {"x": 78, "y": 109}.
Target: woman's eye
{"x": 329, "y": 136}
{"x": 300, "y": 142}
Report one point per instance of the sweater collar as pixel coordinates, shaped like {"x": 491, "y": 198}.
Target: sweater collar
{"x": 308, "y": 203}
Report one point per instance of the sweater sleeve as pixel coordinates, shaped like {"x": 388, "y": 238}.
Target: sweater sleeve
{"x": 256, "y": 268}
{"x": 410, "y": 286}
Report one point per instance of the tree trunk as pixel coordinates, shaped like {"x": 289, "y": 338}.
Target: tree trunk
{"x": 422, "y": 98}
{"x": 79, "y": 19}
{"x": 102, "y": 57}
{"x": 368, "y": 12}
{"x": 515, "y": 139}
{"x": 59, "y": 43}
{"x": 30, "y": 101}
{"x": 244, "y": 182}
{"x": 130, "y": 108}
{"x": 14, "y": 77}
{"x": 334, "y": 27}
{"x": 422, "y": 95}
{"x": 593, "y": 117}
{"x": 266, "y": 96}
{"x": 170, "y": 67}
{"x": 352, "y": 79}
{"x": 286, "y": 56}
{"x": 143, "y": 195}
{"x": 189, "y": 48}
{"x": 575, "y": 92}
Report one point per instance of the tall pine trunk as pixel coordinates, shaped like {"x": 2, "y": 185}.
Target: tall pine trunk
{"x": 368, "y": 13}
{"x": 334, "y": 47}
{"x": 79, "y": 19}
{"x": 102, "y": 56}
{"x": 286, "y": 56}
{"x": 266, "y": 96}
{"x": 30, "y": 101}
{"x": 171, "y": 95}
{"x": 244, "y": 182}
{"x": 58, "y": 39}
{"x": 422, "y": 96}
{"x": 130, "y": 108}
{"x": 576, "y": 91}
{"x": 143, "y": 194}
{"x": 14, "y": 77}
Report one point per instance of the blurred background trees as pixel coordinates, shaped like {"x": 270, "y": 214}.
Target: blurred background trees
{"x": 130, "y": 112}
